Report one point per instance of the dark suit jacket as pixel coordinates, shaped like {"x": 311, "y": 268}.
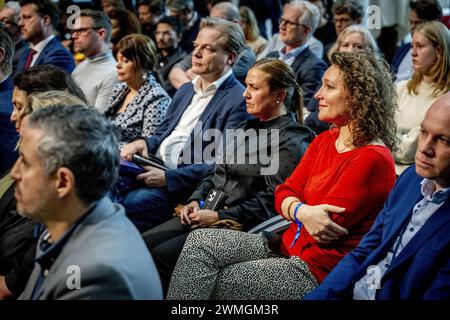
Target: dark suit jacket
{"x": 309, "y": 71}
{"x": 113, "y": 261}
{"x": 225, "y": 110}
{"x": 420, "y": 271}
{"x": 54, "y": 53}
{"x": 8, "y": 134}
{"x": 398, "y": 58}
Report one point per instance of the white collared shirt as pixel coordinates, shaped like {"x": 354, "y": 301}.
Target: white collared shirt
{"x": 290, "y": 57}
{"x": 172, "y": 146}
{"x": 39, "y": 47}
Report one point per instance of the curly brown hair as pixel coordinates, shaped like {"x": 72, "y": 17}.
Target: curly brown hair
{"x": 371, "y": 97}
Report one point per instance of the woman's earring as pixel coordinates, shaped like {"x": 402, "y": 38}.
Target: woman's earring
{"x": 278, "y": 101}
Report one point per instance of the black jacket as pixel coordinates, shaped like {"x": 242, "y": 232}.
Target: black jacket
{"x": 251, "y": 192}
{"x": 18, "y": 238}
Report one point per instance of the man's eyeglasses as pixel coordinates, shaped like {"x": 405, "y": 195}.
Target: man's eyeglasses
{"x": 76, "y": 32}
{"x": 290, "y": 24}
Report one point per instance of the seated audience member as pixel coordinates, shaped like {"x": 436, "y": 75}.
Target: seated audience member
{"x": 431, "y": 62}
{"x": 168, "y": 34}
{"x": 354, "y": 38}
{"x": 8, "y": 135}
{"x": 405, "y": 255}
{"x": 18, "y": 235}
{"x": 138, "y": 104}
{"x": 345, "y": 13}
{"x": 297, "y": 24}
{"x": 276, "y": 42}
{"x": 184, "y": 11}
{"x": 38, "y": 22}
{"x": 182, "y": 72}
{"x": 10, "y": 16}
{"x": 212, "y": 101}
{"x": 96, "y": 75}
{"x": 420, "y": 11}
{"x": 149, "y": 13}
{"x": 333, "y": 195}
{"x": 251, "y": 31}
{"x": 68, "y": 162}
{"x": 271, "y": 91}
{"x": 123, "y": 23}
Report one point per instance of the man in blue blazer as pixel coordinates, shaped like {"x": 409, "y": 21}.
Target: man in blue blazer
{"x": 406, "y": 254}
{"x": 212, "y": 101}
{"x": 297, "y": 25}
{"x": 89, "y": 250}
{"x": 8, "y": 134}
{"x": 38, "y": 22}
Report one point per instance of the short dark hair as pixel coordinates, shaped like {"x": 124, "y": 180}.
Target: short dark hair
{"x": 175, "y": 23}
{"x": 428, "y": 10}
{"x": 100, "y": 19}
{"x": 352, "y": 7}
{"x": 45, "y": 78}
{"x": 44, "y": 8}
{"x": 7, "y": 45}
{"x": 140, "y": 49}
{"x": 82, "y": 140}
{"x": 157, "y": 7}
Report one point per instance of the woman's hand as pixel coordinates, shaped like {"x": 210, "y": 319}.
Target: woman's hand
{"x": 318, "y": 223}
{"x": 153, "y": 177}
{"x": 192, "y": 206}
{"x": 137, "y": 146}
{"x": 203, "y": 218}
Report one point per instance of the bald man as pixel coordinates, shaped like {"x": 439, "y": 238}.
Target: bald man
{"x": 406, "y": 254}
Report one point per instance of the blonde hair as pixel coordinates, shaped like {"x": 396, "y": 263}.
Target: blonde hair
{"x": 370, "y": 44}
{"x": 439, "y": 36}
{"x": 248, "y": 17}
{"x": 42, "y": 100}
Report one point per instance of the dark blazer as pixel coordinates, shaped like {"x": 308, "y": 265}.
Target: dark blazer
{"x": 420, "y": 271}
{"x": 309, "y": 71}
{"x": 399, "y": 56}
{"x": 8, "y": 134}
{"x": 113, "y": 260}
{"x": 225, "y": 110}
{"x": 54, "y": 53}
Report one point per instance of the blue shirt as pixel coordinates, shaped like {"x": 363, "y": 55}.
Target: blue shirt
{"x": 366, "y": 287}
{"x": 289, "y": 57}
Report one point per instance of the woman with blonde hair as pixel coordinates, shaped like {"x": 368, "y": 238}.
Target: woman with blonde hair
{"x": 251, "y": 30}
{"x": 431, "y": 64}
{"x": 138, "y": 103}
{"x": 354, "y": 38}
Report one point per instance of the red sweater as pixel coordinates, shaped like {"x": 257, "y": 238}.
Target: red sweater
{"x": 358, "y": 180}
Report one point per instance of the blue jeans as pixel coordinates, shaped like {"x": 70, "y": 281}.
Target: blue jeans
{"x": 145, "y": 207}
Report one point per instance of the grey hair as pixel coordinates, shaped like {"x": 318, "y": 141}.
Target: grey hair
{"x": 310, "y": 16}
{"x": 41, "y": 100}
{"x": 7, "y": 45}
{"x": 228, "y": 11}
{"x": 83, "y": 141}
{"x": 16, "y": 8}
{"x": 234, "y": 36}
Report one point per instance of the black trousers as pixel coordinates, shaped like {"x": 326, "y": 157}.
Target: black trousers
{"x": 165, "y": 243}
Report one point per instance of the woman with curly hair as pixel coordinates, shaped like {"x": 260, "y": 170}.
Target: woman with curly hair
{"x": 431, "y": 64}
{"x": 332, "y": 198}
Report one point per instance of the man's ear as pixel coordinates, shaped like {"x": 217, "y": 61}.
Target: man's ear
{"x": 102, "y": 33}
{"x": 65, "y": 182}
{"x": 47, "y": 20}
{"x": 232, "y": 58}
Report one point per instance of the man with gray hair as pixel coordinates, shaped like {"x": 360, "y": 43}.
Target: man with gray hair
{"x": 212, "y": 101}
{"x": 96, "y": 75}
{"x": 297, "y": 24}
{"x": 68, "y": 161}
{"x": 10, "y": 16}
{"x": 8, "y": 134}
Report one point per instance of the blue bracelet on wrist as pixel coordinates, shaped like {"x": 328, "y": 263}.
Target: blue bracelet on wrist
{"x": 299, "y": 224}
